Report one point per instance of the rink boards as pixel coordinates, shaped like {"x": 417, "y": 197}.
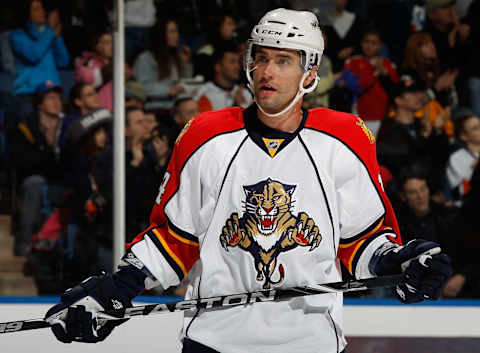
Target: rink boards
{"x": 372, "y": 326}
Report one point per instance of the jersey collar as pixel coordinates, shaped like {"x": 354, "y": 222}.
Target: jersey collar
{"x": 271, "y": 141}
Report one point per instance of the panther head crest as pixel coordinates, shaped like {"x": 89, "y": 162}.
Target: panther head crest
{"x": 267, "y": 201}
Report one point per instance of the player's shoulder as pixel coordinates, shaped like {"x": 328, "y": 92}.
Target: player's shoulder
{"x": 345, "y": 127}
{"x": 208, "y": 125}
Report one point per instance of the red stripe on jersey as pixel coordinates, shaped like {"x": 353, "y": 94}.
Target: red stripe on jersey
{"x": 354, "y": 134}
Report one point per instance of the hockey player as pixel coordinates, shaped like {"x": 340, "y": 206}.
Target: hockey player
{"x": 264, "y": 197}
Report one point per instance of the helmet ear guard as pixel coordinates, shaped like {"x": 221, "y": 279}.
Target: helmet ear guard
{"x": 287, "y": 29}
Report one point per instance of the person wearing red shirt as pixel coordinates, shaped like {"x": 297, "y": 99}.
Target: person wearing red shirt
{"x": 375, "y": 74}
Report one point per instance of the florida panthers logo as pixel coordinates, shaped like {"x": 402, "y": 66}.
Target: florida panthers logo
{"x": 268, "y": 228}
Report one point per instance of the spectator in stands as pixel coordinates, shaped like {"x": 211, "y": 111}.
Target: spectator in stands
{"x": 96, "y": 68}
{"x": 7, "y": 23}
{"x": 448, "y": 33}
{"x": 472, "y": 69}
{"x": 87, "y": 138}
{"x": 84, "y": 99}
{"x": 184, "y": 110}
{"x": 39, "y": 51}
{"x": 36, "y": 159}
{"x": 465, "y": 283}
{"x": 151, "y": 122}
{"x": 141, "y": 183}
{"x": 343, "y": 36}
{"x": 463, "y": 162}
{"x": 139, "y": 18}
{"x": 375, "y": 74}
{"x": 81, "y": 19}
{"x": 222, "y": 33}
{"x": 161, "y": 67}
{"x": 321, "y": 96}
{"x": 420, "y": 216}
{"x": 421, "y": 60}
{"x": 223, "y": 91}
{"x": 161, "y": 144}
{"x": 403, "y": 140}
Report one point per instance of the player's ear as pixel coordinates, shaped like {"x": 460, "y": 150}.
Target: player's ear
{"x": 311, "y": 77}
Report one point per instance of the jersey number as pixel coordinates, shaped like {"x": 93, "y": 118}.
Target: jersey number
{"x": 163, "y": 186}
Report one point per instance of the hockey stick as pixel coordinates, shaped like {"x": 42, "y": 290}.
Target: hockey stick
{"x": 272, "y": 295}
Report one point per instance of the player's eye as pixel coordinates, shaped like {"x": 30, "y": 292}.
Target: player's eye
{"x": 261, "y": 59}
{"x": 283, "y": 61}
{"x": 260, "y": 198}
{"x": 275, "y": 198}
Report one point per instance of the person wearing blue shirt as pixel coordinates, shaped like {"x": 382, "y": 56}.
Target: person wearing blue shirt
{"x": 39, "y": 51}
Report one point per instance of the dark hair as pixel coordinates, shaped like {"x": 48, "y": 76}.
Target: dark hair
{"x": 23, "y": 11}
{"x": 219, "y": 53}
{"x": 96, "y": 35}
{"x": 414, "y": 171}
{"x": 165, "y": 56}
{"x": 459, "y": 124}
{"x": 179, "y": 102}
{"x": 372, "y": 31}
{"x": 76, "y": 92}
{"x": 128, "y": 110}
{"x": 214, "y": 36}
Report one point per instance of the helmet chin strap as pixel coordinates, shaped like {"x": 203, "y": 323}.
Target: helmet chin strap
{"x": 301, "y": 91}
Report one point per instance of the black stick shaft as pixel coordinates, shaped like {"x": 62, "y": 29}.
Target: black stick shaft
{"x": 223, "y": 301}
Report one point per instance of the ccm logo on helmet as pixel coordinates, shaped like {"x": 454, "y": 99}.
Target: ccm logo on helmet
{"x": 269, "y": 31}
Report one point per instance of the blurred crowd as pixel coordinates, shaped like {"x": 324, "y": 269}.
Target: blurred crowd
{"x": 408, "y": 68}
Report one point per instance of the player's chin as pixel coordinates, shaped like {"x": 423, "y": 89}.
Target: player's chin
{"x": 269, "y": 108}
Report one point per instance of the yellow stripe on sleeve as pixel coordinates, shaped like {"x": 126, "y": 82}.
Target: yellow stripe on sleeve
{"x": 170, "y": 252}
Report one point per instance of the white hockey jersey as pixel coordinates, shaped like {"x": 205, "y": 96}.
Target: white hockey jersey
{"x": 256, "y": 208}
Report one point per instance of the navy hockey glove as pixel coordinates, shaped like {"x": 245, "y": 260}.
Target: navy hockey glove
{"x": 426, "y": 269}
{"x": 75, "y": 319}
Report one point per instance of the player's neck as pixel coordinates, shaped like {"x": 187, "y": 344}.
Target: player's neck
{"x": 287, "y": 122}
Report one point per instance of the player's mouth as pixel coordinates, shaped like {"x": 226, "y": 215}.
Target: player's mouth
{"x": 267, "y": 89}
{"x": 267, "y": 222}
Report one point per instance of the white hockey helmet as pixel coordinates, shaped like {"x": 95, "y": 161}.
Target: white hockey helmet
{"x": 288, "y": 29}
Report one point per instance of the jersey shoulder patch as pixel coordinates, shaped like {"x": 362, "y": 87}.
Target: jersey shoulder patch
{"x": 345, "y": 127}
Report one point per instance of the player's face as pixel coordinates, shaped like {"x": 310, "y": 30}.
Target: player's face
{"x": 471, "y": 132}
{"x": 417, "y": 195}
{"x": 231, "y": 66}
{"x": 51, "y": 104}
{"x": 276, "y": 77}
{"x": 370, "y": 45}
